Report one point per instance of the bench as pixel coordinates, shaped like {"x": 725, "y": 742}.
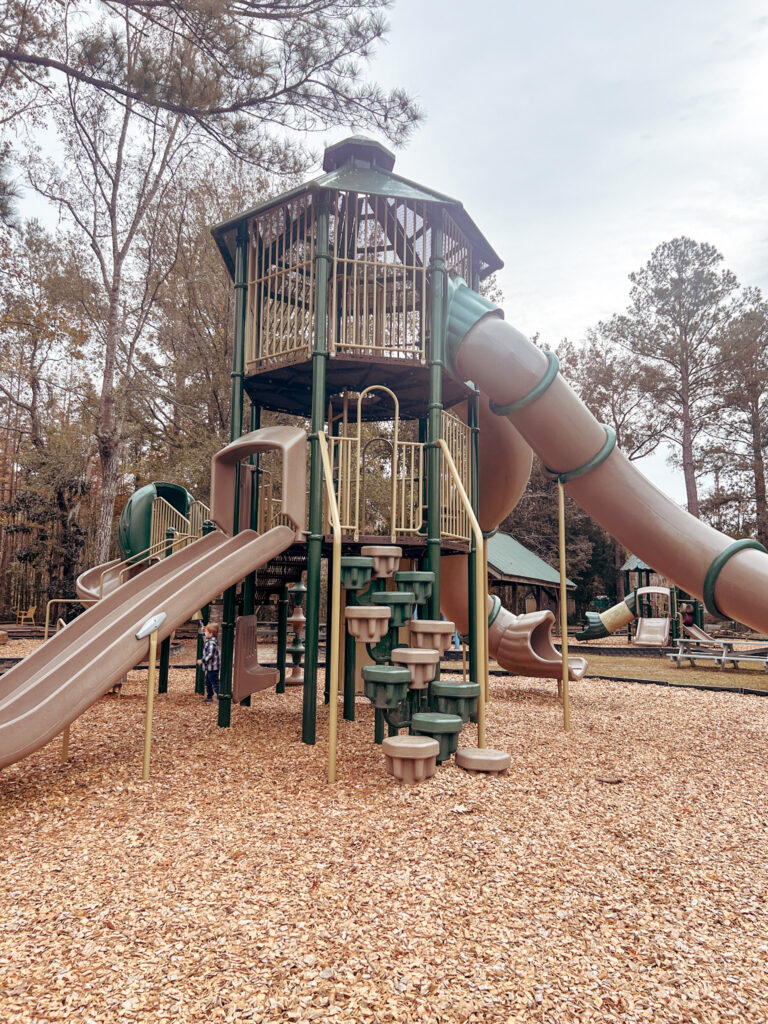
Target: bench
{"x": 721, "y": 652}
{"x": 248, "y": 675}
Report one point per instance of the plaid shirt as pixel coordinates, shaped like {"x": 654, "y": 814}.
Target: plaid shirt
{"x": 211, "y": 658}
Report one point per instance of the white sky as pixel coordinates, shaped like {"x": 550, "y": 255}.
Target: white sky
{"x": 579, "y": 136}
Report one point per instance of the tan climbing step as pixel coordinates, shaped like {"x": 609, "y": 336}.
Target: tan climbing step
{"x": 474, "y": 760}
{"x": 411, "y": 759}
{"x": 386, "y": 559}
{"x": 421, "y": 662}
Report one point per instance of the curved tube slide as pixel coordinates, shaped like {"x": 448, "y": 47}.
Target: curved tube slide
{"x": 521, "y": 644}
{"x": 566, "y": 436}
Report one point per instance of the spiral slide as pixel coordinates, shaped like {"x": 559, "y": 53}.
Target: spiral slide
{"x": 731, "y": 577}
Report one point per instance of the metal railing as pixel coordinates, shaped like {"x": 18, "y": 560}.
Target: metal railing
{"x": 158, "y": 550}
{"x": 454, "y": 522}
{"x": 165, "y": 517}
{"x": 62, "y": 600}
{"x": 198, "y": 513}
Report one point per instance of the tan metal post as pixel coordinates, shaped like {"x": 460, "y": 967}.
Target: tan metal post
{"x": 150, "y": 629}
{"x": 332, "y": 645}
{"x": 65, "y": 745}
{"x": 480, "y": 583}
{"x": 150, "y": 704}
{"x": 563, "y": 607}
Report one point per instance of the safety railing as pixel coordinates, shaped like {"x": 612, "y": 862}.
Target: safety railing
{"x": 198, "y": 513}
{"x": 165, "y": 517}
{"x": 332, "y": 646}
{"x": 158, "y": 550}
{"x": 481, "y": 618}
{"x": 62, "y": 600}
{"x": 454, "y": 522}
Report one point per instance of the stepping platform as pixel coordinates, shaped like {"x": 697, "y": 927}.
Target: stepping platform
{"x": 411, "y": 759}
{"x": 421, "y": 663}
{"x": 386, "y": 559}
{"x": 367, "y": 623}
{"x": 443, "y": 728}
{"x": 475, "y": 760}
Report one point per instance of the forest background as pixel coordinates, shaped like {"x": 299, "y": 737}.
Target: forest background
{"x": 116, "y": 328}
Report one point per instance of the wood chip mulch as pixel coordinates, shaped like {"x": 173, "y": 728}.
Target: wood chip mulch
{"x": 616, "y": 874}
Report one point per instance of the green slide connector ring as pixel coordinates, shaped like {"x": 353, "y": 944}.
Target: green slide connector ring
{"x": 716, "y": 567}
{"x": 594, "y": 462}
{"x": 495, "y": 609}
{"x": 537, "y": 392}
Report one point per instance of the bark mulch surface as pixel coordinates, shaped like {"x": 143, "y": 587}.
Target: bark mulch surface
{"x": 617, "y": 874}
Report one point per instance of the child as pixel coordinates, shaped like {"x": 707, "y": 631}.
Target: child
{"x": 211, "y": 660}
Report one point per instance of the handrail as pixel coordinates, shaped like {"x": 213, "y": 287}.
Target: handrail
{"x": 332, "y": 660}
{"x": 63, "y": 600}
{"x": 137, "y": 559}
{"x": 480, "y": 596}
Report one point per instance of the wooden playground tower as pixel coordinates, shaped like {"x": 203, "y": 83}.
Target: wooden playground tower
{"x": 340, "y": 292}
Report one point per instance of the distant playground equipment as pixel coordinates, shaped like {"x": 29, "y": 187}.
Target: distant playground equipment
{"x": 357, "y": 304}
{"x": 659, "y": 615}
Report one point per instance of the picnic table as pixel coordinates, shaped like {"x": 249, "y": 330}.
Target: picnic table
{"x": 721, "y": 652}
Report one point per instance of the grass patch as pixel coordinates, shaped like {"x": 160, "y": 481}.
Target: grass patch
{"x": 749, "y": 676}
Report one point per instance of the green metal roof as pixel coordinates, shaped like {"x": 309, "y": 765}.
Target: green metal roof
{"x": 509, "y": 559}
{"x": 362, "y": 165}
{"x": 635, "y": 564}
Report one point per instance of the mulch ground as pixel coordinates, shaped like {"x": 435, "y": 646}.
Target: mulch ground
{"x": 615, "y": 874}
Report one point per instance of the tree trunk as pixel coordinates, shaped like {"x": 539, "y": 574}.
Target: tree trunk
{"x": 689, "y": 473}
{"x": 758, "y": 470}
{"x": 108, "y": 428}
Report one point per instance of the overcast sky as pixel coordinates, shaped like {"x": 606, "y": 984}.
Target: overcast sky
{"x": 581, "y": 135}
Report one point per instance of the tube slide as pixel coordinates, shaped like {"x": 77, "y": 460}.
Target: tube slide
{"x": 521, "y": 644}
{"x": 730, "y": 577}
{"x": 57, "y": 682}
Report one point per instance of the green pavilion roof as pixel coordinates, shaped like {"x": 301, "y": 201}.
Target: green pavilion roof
{"x": 509, "y": 559}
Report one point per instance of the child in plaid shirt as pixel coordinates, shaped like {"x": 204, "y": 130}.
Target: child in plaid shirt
{"x": 211, "y": 660}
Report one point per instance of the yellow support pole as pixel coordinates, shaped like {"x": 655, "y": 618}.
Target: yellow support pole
{"x": 563, "y": 607}
{"x": 481, "y": 617}
{"x": 332, "y": 644}
{"x": 150, "y": 704}
{"x": 65, "y": 745}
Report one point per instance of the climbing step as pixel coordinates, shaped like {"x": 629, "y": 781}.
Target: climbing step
{"x": 411, "y": 759}
{"x": 421, "y": 663}
{"x": 367, "y": 623}
{"x": 455, "y": 699}
{"x": 386, "y": 685}
{"x": 432, "y": 633}
{"x": 444, "y": 728}
{"x": 401, "y": 602}
{"x": 474, "y": 760}
{"x": 386, "y": 559}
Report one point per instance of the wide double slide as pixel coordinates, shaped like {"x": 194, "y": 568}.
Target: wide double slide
{"x": 47, "y": 691}
{"x": 730, "y": 577}
{"x": 52, "y": 686}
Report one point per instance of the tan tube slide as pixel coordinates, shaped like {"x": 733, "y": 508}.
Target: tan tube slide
{"x": 50, "y": 688}
{"x": 566, "y": 436}
{"x": 521, "y": 644}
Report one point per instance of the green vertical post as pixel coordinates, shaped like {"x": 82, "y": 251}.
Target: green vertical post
{"x": 165, "y": 646}
{"x": 474, "y": 556}
{"x": 235, "y": 428}
{"x": 435, "y": 409}
{"x": 315, "y": 540}
{"x": 205, "y": 611}
{"x": 282, "y": 637}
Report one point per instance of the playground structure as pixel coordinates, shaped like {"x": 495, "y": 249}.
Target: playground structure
{"x": 353, "y": 311}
